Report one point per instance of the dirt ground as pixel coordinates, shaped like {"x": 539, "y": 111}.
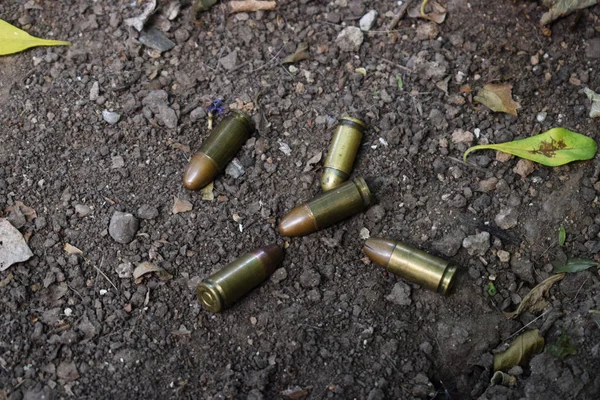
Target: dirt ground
{"x": 328, "y": 324}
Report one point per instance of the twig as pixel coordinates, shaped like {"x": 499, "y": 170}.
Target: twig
{"x": 103, "y": 274}
{"x": 467, "y": 164}
{"x": 396, "y": 65}
{"x": 532, "y": 321}
{"x": 251, "y": 5}
{"x": 579, "y": 290}
{"x": 268, "y": 62}
{"x": 399, "y": 16}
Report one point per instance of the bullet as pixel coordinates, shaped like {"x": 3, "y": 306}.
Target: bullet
{"x": 328, "y": 208}
{"x": 342, "y": 152}
{"x": 217, "y": 151}
{"x": 224, "y": 287}
{"x": 412, "y": 264}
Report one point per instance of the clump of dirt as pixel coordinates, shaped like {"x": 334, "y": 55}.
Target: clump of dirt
{"x": 328, "y": 324}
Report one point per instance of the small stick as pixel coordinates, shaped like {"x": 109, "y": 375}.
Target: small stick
{"x": 532, "y": 321}
{"x": 251, "y": 5}
{"x": 399, "y": 16}
{"x": 103, "y": 274}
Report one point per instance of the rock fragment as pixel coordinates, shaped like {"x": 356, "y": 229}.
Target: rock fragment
{"x": 524, "y": 168}
{"x": 111, "y": 117}
{"x": 477, "y": 245}
{"x": 13, "y": 248}
{"x": 350, "y": 39}
{"x": 507, "y": 218}
{"x": 400, "y": 294}
{"x": 368, "y": 20}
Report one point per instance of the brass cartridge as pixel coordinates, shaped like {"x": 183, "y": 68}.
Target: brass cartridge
{"x": 224, "y": 287}
{"x": 412, "y": 264}
{"x": 218, "y": 149}
{"x": 342, "y": 152}
{"x": 327, "y": 209}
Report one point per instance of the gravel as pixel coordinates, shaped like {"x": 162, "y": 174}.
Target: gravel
{"x": 123, "y": 227}
{"x": 477, "y": 244}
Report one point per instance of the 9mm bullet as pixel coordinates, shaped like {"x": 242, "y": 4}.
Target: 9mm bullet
{"x": 412, "y": 264}
{"x": 217, "y": 151}
{"x": 342, "y": 152}
{"x": 328, "y": 208}
{"x": 224, "y": 287}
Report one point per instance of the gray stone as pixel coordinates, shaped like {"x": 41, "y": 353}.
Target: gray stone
{"x": 117, "y": 162}
{"x": 507, "y": 218}
{"x": 123, "y": 227}
{"x": 593, "y": 49}
{"x": 16, "y": 217}
{"x": 229, "y": 61}
{"x": 82, "y": 210}
{"x": 67, "y": 371}
{"x": 400, "y": 294}
{"x": 147, "y": 211}
{"x": 368, "y": 20}
{"x": 156, "y": 40}
{"x": 111, "y": 117}
{"x": 487, "y": 185}
{"x": 449, "y": 244}
{"x": 235, "y": 169}
{"x": 279, "y": 275}
{"x": 155, "y": 97}
{"x": 197, "y": 113}
{"x": 350, "y": 39}
{"x": 167, "y": 116}
{"x": 523, "y": 269}
{"x": 13, "y": 248}
{"x": 477, "y": 244}
{"x": 310, "y": 278}
{"x": 376, "y": 213}
{"x": 94, "y": 91}
{"x": 124, "y": 270}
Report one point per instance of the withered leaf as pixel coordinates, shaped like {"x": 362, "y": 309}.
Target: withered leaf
{"x": 70, "y": 249}
{"x": 520, "y": 351}
{"x": 432, "y": 11}
{"x": 534, "y": 300}
{"x": 498, "y": 97}
{"x": 300, "y": 54}
{"x": 313, "y": 160}
{"x": 28, "y": 212}
{"x": 561, "y": 8}
{"x": 145, "y": 268}
{"x": 555, "y": 147}
{"x": 207, "y": 192}
{"x": 181, "y": 206}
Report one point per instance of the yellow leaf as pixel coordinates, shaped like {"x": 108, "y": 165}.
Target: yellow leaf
{"x": 534, "y": 300}
{"x": 14, "y": 40}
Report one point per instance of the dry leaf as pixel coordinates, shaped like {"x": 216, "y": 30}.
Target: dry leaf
{"x": 207, "y": 192}
{"x": 520, "y": 351}
{"x": 443, "y": 84}
{"x": 145, "y": 268}
{"x": 561, "y": 8}
{"x": 14, "y": 40}
{"x": 139, "y": 21}
{"x": 534, "y": 300}
{"x": 300, "y": 54}
{"x": 498, "y": 97}
{"x": 70, "y": 249}
{"x": 181, "y": 206}
{"x": 313, "y": 160}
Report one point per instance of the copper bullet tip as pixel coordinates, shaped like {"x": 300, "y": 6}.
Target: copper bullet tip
{"x": 271, "y": 257}
{"x": 379, "y": 250}
{"x": 199, "y": 172}
{"x": 298, "y": 222}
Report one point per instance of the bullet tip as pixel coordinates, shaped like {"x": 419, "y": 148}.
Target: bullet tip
{"x": 199, "y": 172}
{"x": 297, "y": 222}
{"x": 379, "y": 250}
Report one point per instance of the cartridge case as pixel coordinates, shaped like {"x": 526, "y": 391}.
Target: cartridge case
{"x": 412, "y": 264}
{"x": 328, "y": 208}
{"x": 224, "y": 287}
{"x": 218, "y": 149}
{"x": 342, "y": 152}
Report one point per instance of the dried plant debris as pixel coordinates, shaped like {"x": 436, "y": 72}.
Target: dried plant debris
{"x": 251, "y": 6}
{"x": 555, "y": 147}
{"x": 520, "y": 351}
{"x": 431, "y": 10}
{"x": 561, "y": 8}
{"x": 139, "y": 21}
{"x": 498, "y": 97}
{"x": 534, "y": 300}
{"x": 502, "y": 378}
{"x": 146, "y": 268}
{"x": 14, "y": 40}
{"x": 562, "y": 348}
{"x": 70, "y": 249}
{"x": 201, "y": 6}
{"x": 595, "y": 99}
{"x": 13, "y": 248}
{"x": 181, "y": 206}
{"x": 300, "y": 54}
{"x": 207, "y": 192}
{"x": 574, "y": 265}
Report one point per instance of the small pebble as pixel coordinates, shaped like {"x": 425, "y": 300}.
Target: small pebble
{"x": 111, "y": 117}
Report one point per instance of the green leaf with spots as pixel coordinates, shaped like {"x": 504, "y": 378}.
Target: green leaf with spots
{"x": 555, "y": 147}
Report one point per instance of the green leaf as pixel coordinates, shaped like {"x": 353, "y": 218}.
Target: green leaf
{"x": 14, "y": 40}
{"x": 562, "y": 348}
{"x": 492, "y": 289}
{"x": 555, "y": 147}
{"x": 575, "y": 265}
{"x": 562, "y": 236}
{"x": 399, "y": 82}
